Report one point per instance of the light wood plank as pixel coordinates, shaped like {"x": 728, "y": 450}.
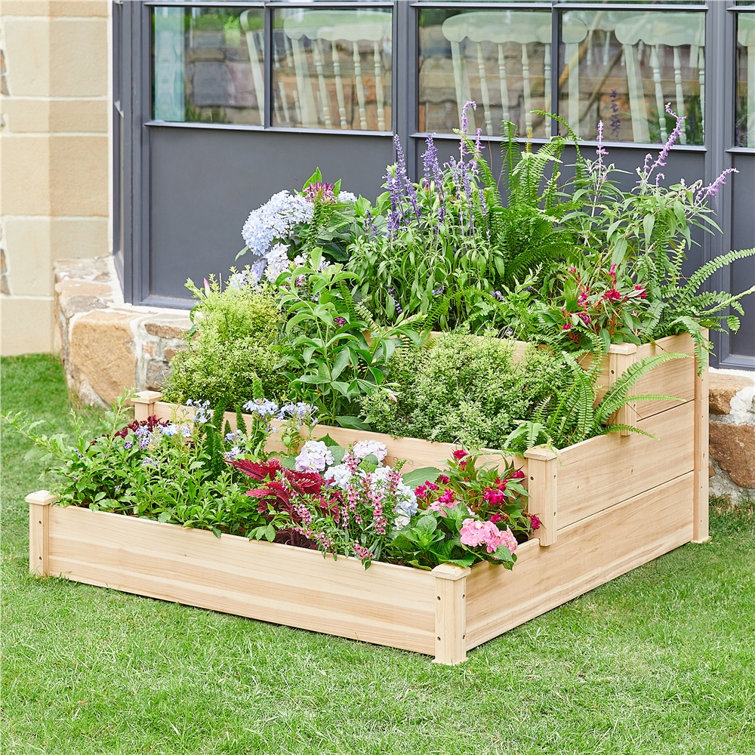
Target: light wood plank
{"x": 702, "y": 430}
{"x": 415, "y": 452}
{"x": 450, "y": 614}
{"x": 386, "y": 604}
{"x": 609, "y": 468}
{"x": 39, "y": 531}
{"x": 586, "y": 555}
{"x": 673, "y": 378}
{"x": 542, "y": 485}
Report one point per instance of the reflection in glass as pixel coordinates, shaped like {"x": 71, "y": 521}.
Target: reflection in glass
{"x": 501, "y": 59}
{"x": 332, "y": 69}
{"x": 207, "y": 65}
{"x": 623, "y": 67}
{"x": 744, "y": 130}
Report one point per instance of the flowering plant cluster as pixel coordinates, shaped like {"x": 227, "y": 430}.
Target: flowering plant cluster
{"x": 340, "y": 501}
{"x": 281, "y": 232}
{"x": 158, "y": 469}
{"x": 471, "y": 512}
{"x": 607, "y": 307}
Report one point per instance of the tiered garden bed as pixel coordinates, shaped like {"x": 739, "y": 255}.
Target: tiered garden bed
{"x": 607, "y": 505}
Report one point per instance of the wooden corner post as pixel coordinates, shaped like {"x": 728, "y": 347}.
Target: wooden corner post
{"x": 700, "y": 512}
{"x": 144, "y": 404}
{"x": 39, "y": 530}
{"x": 621, "y": 356}
{"x": 542, "y": 485}
{"x": 450, "y": 614}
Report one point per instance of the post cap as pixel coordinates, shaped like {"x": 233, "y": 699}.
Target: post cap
{"x": 451, "y": 572}
{"x": 41, "y": 498}
{"x": 146, "y": 397}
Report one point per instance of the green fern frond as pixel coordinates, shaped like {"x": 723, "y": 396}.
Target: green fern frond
{"x": 618, "y": 394}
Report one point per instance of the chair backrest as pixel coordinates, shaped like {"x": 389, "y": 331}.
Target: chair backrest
{"x": 655, "y": 31}
{"x": 746, "y": 38}
{"x": 255, "y": 44}
{"x": 366, "y": 33}
{"x": 500, "y": 28}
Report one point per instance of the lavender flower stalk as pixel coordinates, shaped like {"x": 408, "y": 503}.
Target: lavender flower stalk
{"x": 663, "y": 154}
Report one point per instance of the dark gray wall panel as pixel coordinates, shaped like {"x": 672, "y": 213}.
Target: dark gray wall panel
{"x": 742, "y": 273}
{"x": 204, "y": 183}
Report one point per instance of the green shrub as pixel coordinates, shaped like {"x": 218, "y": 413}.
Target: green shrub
{"x": 234, "y": 339}
{"x": 464, "y": 389}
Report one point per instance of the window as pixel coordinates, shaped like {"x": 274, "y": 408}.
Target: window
{"x": 500, "y": 59}
{"x": 332, "y": 68}
{"x": 208, "y": 65}
{"x": 625, "y": 67}
{"x": 744, "y": 126}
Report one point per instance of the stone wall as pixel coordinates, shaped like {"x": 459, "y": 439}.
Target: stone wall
{"x": 732, "y": 433}
{"x": 106, "y": 345}
{"x": 54, "y": 187}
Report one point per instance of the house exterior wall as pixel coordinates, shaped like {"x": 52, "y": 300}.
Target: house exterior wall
{"x": 54, "y": 155}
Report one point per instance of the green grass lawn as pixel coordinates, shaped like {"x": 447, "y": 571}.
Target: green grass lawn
{"x": 661, "y": 660}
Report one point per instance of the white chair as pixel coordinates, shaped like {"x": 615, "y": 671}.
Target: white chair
{"x": 656, "y": 31}
{"x": 255, "y": 45}
{"x": 746, "y": 38}
{"x": 327, "y": 31}
{"x": 499, "y": 28}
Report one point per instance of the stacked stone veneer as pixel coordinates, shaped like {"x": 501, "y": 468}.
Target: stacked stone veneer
{"x": 732, "y": 433}
{"x": 108, "y": 346}
{"x": 54, "y": 155}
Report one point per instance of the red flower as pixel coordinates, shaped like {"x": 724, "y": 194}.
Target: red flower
{"x": 460, "y": 454}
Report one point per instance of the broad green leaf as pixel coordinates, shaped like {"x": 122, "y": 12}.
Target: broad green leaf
{"x": 419, "y": 476}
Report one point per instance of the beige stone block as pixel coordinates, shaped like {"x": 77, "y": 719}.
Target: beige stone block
{"x": 27, "y": 56}
{"x": 79, "y": 8}
{"x": 79, "y": 57}
{"x": 79, "y": 175}
{"x": 25, "y": 7}
{"x": 733, "y": 447}
{"x": 102, "y": 353}
{"x": 723, "y": 388}
{"x": 83, "y": 116}
{"x": 79, "y": 238}
{"x": 26, "y": 325}
{"x": 25, "y": 115}
{"x": 24, "y": 179}
{"x": 28, "y": 250}
{"x": 168, "y": 327}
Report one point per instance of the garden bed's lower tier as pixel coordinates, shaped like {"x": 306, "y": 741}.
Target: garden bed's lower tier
{"x": 442, "y": 613}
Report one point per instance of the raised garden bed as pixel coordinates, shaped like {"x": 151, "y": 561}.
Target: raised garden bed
{"x": 607, "y": 505}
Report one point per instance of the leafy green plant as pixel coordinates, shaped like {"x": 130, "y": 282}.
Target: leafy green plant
{"x": 233, "y": 341}
{"x": 575, "y": 414}
{"x": 335, "y": 353}
{"x": 464, "y": 388}
{"x": 154, "y": 468}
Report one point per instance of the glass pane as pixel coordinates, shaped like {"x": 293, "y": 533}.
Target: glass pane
{"x": 207, "y": 65}
{"x": 744, "y": 127}
{"x": 500, "y": 59}
{"x": 332, "y": 68}
{"x": 624, "y": 67}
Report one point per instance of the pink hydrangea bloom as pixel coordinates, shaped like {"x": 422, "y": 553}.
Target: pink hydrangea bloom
{"x": 475, "y": 533}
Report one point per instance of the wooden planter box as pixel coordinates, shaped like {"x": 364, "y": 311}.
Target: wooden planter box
{"x": 607, "y": 505}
